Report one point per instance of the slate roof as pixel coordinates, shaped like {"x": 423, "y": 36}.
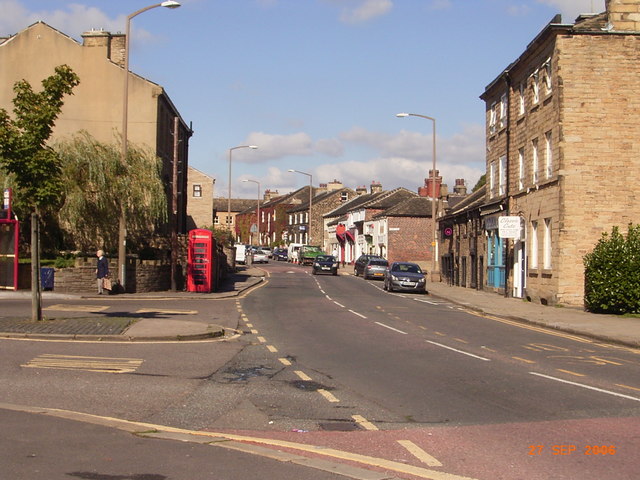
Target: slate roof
{"x": 237, "y": 204}
{"x": 317, "y": 199}
{"x": 414, "y": 206}
{"x": 471, "y": 202}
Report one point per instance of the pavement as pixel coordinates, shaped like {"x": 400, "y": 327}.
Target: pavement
{"x": 609, "y": 328}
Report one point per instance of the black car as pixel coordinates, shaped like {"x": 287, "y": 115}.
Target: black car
{"x": 280, "y": 254}
{"x": 405, "y": 276}
{"x": 361, "y": 262}
{"x": 325, "y": 264}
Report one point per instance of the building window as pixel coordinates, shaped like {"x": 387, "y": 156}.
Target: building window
{"x": 262, "y": 215}
{"x": 503, "y": 110}
{"x": 502, "y": 188}
{"x": 521, "y": 99}
{"x": 547, "y": 76}
{"x": 344, "y": 196}
{"x": 197, "y": 190}
{"x": 290, "y": 219}
{"x": 535, "y": 86}
{"x": 534, "y": 161}
{"x": 274, "y": 215}
{"x": 492, "y": 181}
{"x": 546, "y": 246}
{"x": 216, "y": 220}
{"x": 548, "y": 155}
{"x": 229, "y": 219}
{"x": 492, "y": 118}
{"x": 533, "y": 254}
{"x": 521, "y": 168}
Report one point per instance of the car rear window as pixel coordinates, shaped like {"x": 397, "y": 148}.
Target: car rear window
{"x": 382, "y": 263}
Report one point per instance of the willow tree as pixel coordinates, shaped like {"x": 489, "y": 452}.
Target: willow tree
{"x": 98, "y": 186}
{"x": 25, "y": 155}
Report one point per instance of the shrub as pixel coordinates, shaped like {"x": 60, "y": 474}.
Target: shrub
{"x": 612, "y": 273}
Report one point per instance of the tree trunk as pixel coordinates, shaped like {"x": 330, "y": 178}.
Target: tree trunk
{"x": 36, "y": 298}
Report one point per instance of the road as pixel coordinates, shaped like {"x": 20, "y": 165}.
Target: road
{"x": 388, "y": 382}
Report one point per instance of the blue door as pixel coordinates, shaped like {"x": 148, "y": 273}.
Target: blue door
{"x": 495, "y": 263}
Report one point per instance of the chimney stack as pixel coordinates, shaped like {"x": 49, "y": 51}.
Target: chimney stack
{"x": 428, "y": 189}
{"x": 623, "y": 15}
{"x": 376, "y": 187}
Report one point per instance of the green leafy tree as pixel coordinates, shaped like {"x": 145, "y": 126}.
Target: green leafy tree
{"x": 97, "y": 186}
{"x": 612, "y": 273}
{"x": 481, "y": 181}
{"x": 25, "y": 155}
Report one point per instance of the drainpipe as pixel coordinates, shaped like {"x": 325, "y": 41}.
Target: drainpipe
{"x": 507, "y": 80}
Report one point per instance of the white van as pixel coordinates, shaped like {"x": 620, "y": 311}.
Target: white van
{"x": 293, "y": 252}
{"x": 241, "y": 253}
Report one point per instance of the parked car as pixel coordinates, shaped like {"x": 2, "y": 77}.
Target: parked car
{"x": 375, "y": 268}
{"x": 280, "y": 254}
{"x": 404, "y": 276}
{"x": 267, "y": 250}
{"x": 325, "y": 264}
{"x": 361, "y": 262}
{"x": 259, "y": 256}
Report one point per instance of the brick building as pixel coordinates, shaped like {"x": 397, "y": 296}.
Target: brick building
{"x": 96, "y": 104}
{"x": 562, "y": 130}
{"x": 200, "y": 199}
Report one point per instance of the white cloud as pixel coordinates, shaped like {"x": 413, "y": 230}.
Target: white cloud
{"x": 360, "y": 11}
{"x": 275, "y": 146}
{"x": 73, "y": 20}
{"x": 570, "y": 9}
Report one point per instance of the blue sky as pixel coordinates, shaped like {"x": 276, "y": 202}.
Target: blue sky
{"x": 316, "y": 84}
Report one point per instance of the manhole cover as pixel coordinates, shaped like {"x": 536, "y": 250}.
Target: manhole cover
{"x": 339, "y": 426}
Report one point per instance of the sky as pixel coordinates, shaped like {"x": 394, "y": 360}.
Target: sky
{"x": 316, "y": 84}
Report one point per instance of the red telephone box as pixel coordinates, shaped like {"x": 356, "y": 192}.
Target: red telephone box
{"x": 9, "y": 229}
{"x": 200, "y": 261}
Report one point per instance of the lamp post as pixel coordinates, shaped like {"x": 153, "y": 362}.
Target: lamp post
{"x": 122, "y": 228}
{"x": 257, "y": 211}
{"x": 434, "y": 261}
{"x": 310, "y": 199}
{"x": 253, "y": 147}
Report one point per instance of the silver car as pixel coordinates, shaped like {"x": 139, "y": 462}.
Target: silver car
{"x": 405, "y": 276}
{"x": 375, "y": 268}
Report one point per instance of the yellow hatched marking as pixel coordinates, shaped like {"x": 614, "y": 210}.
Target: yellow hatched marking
{"x": 77, "y": 308}
{"x": 627, "y": 386}
{"x": 250, "y": 325}
{"x": 92, "y": 364}
{"x": 284, "y": 361}
{"x": 302, "y": 375}
{"x": 570, "y": 372}
{"x": 174, "y": 312}
{"x": 254, "y": 331}
{"x": 523, "y": 360}
{"x": 419, "y": 453}
{"x": 262, "y": 340}
{"x": 328, "y": 395}
{"x": 364, "y": 423}
{"x": 272, "y": 349}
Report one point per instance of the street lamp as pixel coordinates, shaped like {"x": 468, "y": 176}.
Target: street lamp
{"x": 310, "y": 199}
{"x": 253, "y": 147}
{"x": 122, "y": 228}
{"x": 257, "y": 211}
{"x": 434, "y": 264}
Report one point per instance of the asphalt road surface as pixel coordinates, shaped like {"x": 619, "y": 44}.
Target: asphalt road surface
{"x": 336, "y": 370}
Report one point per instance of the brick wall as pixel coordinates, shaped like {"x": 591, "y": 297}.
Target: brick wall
{"x": 411, "y": 242}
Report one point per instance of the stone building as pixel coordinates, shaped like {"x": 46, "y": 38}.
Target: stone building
{"x": 200, "y": 199}
{"x": 96, "y": 103}
{"x": 562, "y": 130}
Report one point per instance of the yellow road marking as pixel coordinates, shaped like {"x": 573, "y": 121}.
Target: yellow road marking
{"x": 490, "y": 349}
{"x": 175, "y": 312}
{"x": 441, "y": 334}
{"x": 419, "y": 453}
{"x": 364, "y": 423}
{"x": 570, "y": 372}
{"x": 460, "y": 340}
{"x": 77, "y": 308}
{"x": 284, "y": 361}
{"x": 523, "y": 360}
{"x": 262, "y": 340}
{"x": 137, "y": 427}
{"x": 328, "y": 395}
{"x": 254, "y": 331}
{"x": 92, "y": 364}
{"x": 272, "y": 349}
{"x": 627, "y": 386}
{"x": 250, "y": 325}
{"x": 302, "y": 375}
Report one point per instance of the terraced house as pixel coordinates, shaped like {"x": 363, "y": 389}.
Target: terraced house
{"x": 562, "y": 138}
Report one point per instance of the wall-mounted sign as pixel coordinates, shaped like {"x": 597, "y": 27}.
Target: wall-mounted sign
{"x": 510, "y": 227}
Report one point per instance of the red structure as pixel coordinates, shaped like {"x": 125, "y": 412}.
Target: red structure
{"x": 9, "y": 230}
{"x": 201, "y": 261}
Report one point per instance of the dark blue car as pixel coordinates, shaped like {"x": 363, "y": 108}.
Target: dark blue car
{"x": 325, "y": 264}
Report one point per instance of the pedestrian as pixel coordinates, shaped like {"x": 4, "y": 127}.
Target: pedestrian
{"x": 102, "y": 271}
